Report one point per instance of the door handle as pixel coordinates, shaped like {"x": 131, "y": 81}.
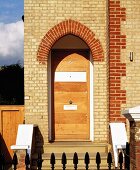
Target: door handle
{"x": 70, "y": 102}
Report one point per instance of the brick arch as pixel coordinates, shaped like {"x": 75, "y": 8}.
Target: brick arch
{"x": 69, "y": 27}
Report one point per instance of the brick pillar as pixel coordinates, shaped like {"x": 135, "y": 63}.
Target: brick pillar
{"x": 133, "y": 115}
{"x": 135, "y": 145}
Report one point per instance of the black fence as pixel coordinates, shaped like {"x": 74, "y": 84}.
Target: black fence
{"x": 123, "y": 161}
{"x": 122, "y": 164}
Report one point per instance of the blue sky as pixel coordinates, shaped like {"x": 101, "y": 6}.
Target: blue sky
{"x": 11, "y": 10}
{"x": 11, "y": 31}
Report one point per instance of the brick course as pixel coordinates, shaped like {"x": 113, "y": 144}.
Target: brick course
{"x": 117, "y": 69}
{"x": 69, "y": 27}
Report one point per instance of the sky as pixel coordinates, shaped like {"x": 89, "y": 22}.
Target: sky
{"x": 11, "y": 32}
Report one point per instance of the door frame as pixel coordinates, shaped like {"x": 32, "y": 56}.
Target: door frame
{"x": 50, "y": 120}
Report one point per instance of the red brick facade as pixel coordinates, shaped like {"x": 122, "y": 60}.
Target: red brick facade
{"x": 135, "y": 145}
{"x": 69, "y": 27}
{"x": 117, "y": 69}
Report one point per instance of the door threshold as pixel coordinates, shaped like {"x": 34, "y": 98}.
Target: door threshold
{"x": 70, "y": 140}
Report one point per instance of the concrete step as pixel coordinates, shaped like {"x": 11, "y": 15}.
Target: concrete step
{"x": 79, "y": 147}
{"x": 70, "y": 148}
{"x": 81, "y": 164}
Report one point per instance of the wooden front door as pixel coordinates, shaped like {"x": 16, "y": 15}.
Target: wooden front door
{"x": 70, "y": 94}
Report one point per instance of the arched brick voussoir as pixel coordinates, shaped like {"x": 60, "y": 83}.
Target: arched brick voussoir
{"x": 69, "y": 27}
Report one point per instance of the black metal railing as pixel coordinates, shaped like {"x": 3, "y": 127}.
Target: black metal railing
{"x": 64, "y": 161}
{"x": 124, "y": 161}
{"x": 127, "y": 156}
{"x": 2, "y": 161}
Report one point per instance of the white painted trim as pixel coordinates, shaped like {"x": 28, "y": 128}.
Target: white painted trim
{"x": 133, "y": 110}
{"x": 49, "y": 100}
{"x": 91, "y": 100}
{"x": 70, "y": 107}
{"x": 119, "y": 138}
{"x": 132, "y": 114}
{"x": 24, "y": 138}
{"x": 19, "y": 147}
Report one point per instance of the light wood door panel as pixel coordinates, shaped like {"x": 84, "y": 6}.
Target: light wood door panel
{"x": 65, "y": 118}
{"x": 72, "y": 129}
{"x": 70, "y": 87}
{"x": 10, "y": 119}
{"x": 70, "y": 124}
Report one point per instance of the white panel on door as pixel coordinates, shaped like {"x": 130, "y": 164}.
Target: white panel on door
{"x": 70, "y": 77}
{"x": 70, "y": 107}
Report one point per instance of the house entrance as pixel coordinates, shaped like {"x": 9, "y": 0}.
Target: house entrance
{"x": 70, "y": 94}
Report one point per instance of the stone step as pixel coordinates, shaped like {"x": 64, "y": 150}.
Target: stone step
{"x": 70, "y": 165}
{"x": 81, "y": 165}
{"x": 71, "y": 147}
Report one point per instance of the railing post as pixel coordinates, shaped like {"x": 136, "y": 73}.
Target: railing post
{"x": 64, "y": 161}
{"x": 1, "y": 164}
{"x": 87, "y": 160}
{"x": 75, "y": 160}
{"x": 109, "y": 160}
{"x": 120, "y": 159}
{"x": 15, "y": 161}
{"x": 27, "y": 161}
{"x": 2, "y": 161}
{"x": 52, "y": 161}
{"x": 98, "y": 160}
{"x": 39, "y": 161}
{"x": 127, "y": 156}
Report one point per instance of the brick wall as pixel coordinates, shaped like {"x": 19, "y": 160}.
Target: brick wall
{"x": 114, "y": 27}
{"x": 117, "y": 68}
{"x": 114, "y": 74}
{"x": 124, "y": 38}
{"x": 131, "y": 28}
{"x": 135, "y": 145}
{"x": 42, "y": 16}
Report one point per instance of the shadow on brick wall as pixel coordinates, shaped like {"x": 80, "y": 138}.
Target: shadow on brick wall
{"x": 37, "y": 147}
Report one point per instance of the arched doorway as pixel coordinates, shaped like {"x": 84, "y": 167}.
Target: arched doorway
{"x": 71, "y": 90}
